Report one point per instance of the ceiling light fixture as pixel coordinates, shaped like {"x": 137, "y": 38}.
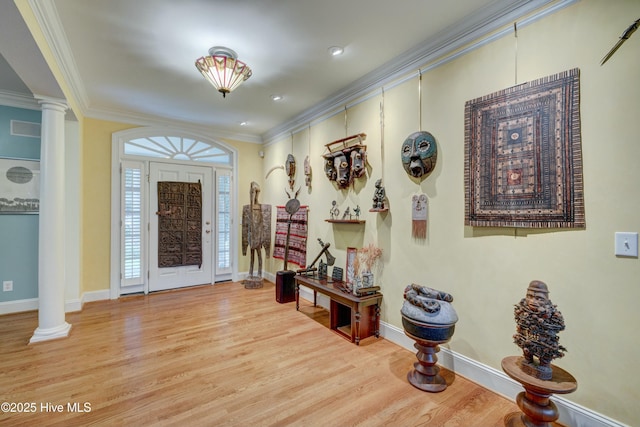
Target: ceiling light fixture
{"x": 222, "y": 69}
{"x": 336, "y": 50}
{"x": 276, "y": 97}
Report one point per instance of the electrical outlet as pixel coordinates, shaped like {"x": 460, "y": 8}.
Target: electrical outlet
{"x": 7, "y": 286}
{"x": 627, "y": 244}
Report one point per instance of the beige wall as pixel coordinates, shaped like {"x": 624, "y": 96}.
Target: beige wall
{"x": 96, "y": 197}
{"x": 488, "y": 270}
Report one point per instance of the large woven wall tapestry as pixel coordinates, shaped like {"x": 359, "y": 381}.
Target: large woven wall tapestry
{"x": 297, "y": 238}
{"x": 179, "y": 223}
{"x": 523, "y": 164}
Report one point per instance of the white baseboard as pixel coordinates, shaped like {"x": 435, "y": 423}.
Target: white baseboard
{"x": 18, "y": 306}
{"x": 70, "y": 306}
{"x": 96, "y": 296}
{"x": 571, "y": 414}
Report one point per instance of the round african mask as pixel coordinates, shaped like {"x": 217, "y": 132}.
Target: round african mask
{"x": 418, "y": 154}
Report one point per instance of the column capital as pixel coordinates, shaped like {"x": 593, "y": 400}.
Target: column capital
{"x": 47, "y": 101}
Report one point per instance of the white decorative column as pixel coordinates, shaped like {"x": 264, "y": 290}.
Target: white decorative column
{"x": 51, "y": 240}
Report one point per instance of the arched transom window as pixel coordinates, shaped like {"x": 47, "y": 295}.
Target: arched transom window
{"x": 177, "y": 148}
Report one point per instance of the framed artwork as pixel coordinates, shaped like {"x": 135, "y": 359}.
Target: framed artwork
{"x": 352, "y": 253}
{"x": 523, "y": 162}
{"x": 19, "y": 186}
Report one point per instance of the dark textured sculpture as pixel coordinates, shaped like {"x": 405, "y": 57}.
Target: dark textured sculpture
{"x": 538, "y": 322}
{"x": 379, "y": 195}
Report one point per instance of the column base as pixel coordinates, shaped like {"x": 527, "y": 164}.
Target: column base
{"x": 41, "y": 334}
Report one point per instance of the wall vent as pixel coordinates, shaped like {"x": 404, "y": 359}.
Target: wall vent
{"x": 28, "y": 129}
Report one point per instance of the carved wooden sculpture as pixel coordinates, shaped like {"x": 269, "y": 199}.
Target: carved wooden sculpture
{"x": 537, "y": 323}
{"x": 256, "y": 234}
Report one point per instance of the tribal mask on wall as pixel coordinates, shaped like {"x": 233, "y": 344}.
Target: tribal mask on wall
{"x": 343, "y": 165}
{"x": 419, "y": 153}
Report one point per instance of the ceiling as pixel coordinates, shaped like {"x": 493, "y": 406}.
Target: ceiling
{"x": 133, "y": 61}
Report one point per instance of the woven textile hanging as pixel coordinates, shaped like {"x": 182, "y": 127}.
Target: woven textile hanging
{"x": 419, "y": 216}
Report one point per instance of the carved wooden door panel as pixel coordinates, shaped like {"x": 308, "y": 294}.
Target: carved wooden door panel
{"x": 162, "y": 278}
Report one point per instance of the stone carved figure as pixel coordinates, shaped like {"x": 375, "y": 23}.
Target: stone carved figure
{"x": 538, "y": 322}
{"x": 256, "y": 230}
{"x": 428, "y": 305}
{"x": 418, "y": 154}
{"x": 379, "y": 195}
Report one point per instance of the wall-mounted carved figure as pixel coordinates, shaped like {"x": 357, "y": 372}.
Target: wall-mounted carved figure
{"x": 379, "y": 195}
{"x": 343, "y": 171}
{"x": 537, "y": 323}
{"x": 346, "y": 160}
{"x": 358, "y": 163}
{"x": 290, "y": 168}
{"x": 307, "y": 171}
{"x": 330, "y": 169}
{"x": 419, "y": 154}
{"x": 256, "y": 231}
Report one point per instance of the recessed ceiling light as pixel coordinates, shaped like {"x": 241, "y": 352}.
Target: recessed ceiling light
{"x": 336, "y": 50}
{"x": 276, "y": 97}
{"x": 243, "y": 123}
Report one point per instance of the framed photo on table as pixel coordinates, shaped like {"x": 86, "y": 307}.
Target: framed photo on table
{"x": 19, "y": 186}
{"x": 352, "y": 253}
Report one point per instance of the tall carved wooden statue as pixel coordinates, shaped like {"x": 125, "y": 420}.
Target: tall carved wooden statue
{"x": 256, "y": 234}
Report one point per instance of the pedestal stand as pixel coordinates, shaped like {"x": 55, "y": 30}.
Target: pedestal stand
{"x": 253, "y": 282}
{"x": 425, "y": 374}
{"x": 537, "y": 409}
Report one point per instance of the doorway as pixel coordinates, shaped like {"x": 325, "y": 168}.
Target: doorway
{"x": 140, "y": 159}
{"x": 163, "y": 278}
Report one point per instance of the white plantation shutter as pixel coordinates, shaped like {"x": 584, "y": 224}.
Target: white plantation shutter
{"x": 132, "y": 237}
{"x": 223, "y": 221}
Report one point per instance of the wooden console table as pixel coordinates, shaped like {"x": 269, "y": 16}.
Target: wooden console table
{"x": 352, "y": 317}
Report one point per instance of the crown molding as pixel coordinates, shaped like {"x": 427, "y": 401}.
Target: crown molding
{"x": 473, "y": 33}
{"x": 18, "y": 100}
{"x": 149, "y": 120}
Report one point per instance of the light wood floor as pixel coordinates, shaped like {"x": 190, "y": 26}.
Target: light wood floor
{"x": 221, "y": 356}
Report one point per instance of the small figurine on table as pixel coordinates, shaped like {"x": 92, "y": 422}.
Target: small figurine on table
{"x": 378, "y": 196}
{"x": 537, "y": 323}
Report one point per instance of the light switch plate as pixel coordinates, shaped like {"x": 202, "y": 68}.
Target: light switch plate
{"x": 627, "y": 244}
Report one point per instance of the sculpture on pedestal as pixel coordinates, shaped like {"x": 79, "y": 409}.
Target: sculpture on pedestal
{"x": 429, "y": 319}
{"x": 537, "y": 323}
{"x": 256, "y": 234}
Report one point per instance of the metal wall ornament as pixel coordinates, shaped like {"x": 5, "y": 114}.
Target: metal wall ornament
{"x": 419, "y": 153}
